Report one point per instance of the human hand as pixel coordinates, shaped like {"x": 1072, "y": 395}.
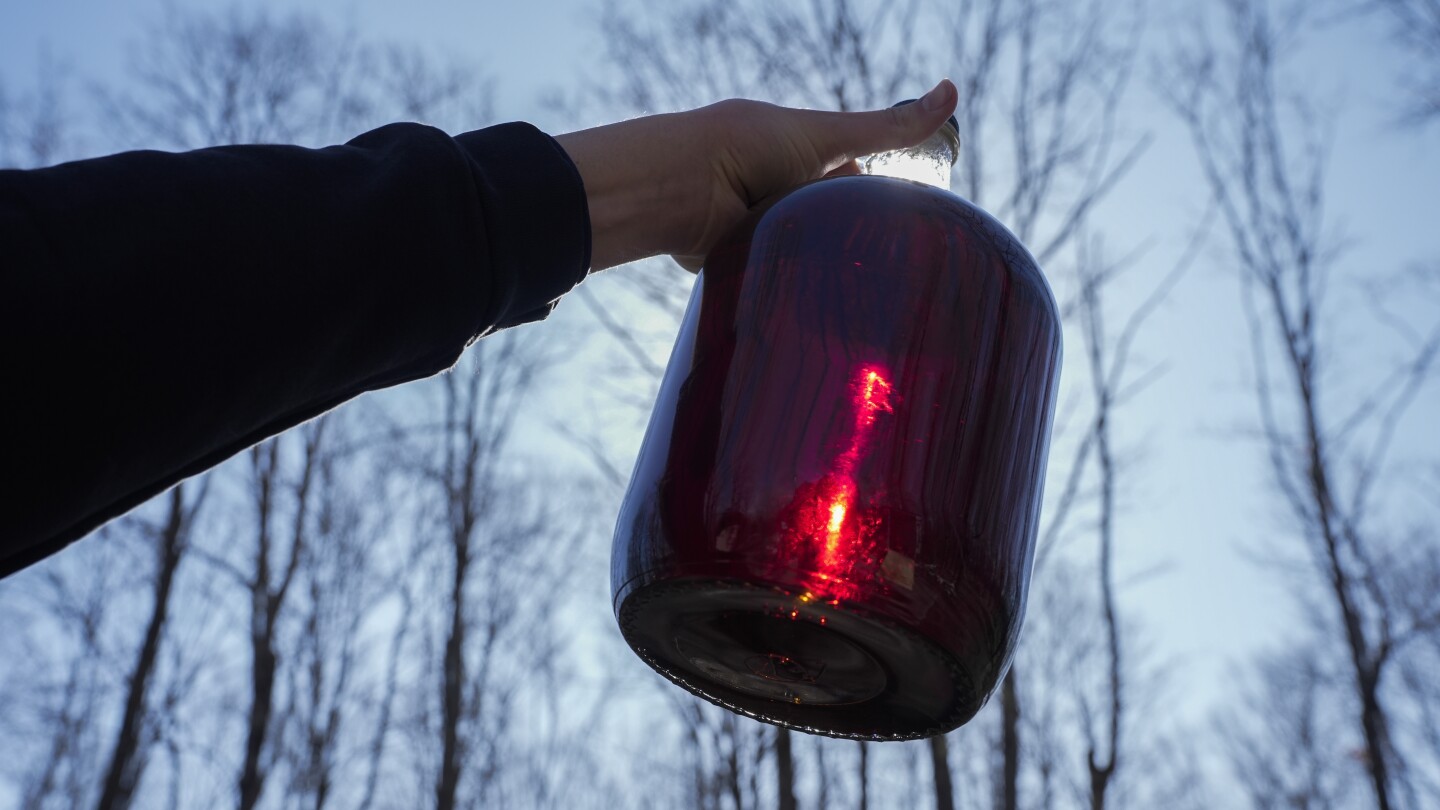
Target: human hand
{"x": 676, "y": 183}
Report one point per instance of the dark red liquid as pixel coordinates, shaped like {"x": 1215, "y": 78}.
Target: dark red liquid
{"x": 832, "y": 520}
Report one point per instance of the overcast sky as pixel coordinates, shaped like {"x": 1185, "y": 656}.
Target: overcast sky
{"x": 1200, "y": 503}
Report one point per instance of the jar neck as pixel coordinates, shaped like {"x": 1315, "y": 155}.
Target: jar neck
{"x": 928, "y": 162}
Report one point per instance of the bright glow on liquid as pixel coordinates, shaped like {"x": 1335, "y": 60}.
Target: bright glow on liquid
{"x": 839, "y": 505}
{"x": 826, "y": 513}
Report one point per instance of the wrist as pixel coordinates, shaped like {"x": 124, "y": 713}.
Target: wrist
{"x": 635, "y": 187}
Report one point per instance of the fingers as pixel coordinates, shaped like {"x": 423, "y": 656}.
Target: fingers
{"x": 839, "y": 136}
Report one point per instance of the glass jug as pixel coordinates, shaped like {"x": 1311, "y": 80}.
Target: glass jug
{"x": 832, "y": 519}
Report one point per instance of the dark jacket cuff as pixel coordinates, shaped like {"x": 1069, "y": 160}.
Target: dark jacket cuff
{"x": 537, "y": 218}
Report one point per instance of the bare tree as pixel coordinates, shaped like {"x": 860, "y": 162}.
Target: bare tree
{"x": 341, "y": 587}
{"x": 1102, "y": 757}
{"x": 236, "y": 76}
{"x": 1416, "y": 673}
{"x": 1058, "y": 690}
{"x": 1040, "y": 92}
{"x": 1286, "y": 739}
{"x": 1113, "y": 383}
{"x": 784, "y": 770}
{"x": 282, "y": 536}
{"x": 375, "y": 754}
{"x": 1327, "y": 454}
{"x": 726, "y": 754}
{"x": 1041, "y": 85}
{"x": 837, "y": 53}
{"x": 69, "y": 598}
{"x": 37, "y": 128}
{"x": 137, "y": 726}
{"x": 480, "y": 410}
{"x": 841, "y": 54}
{"x": 1415, "y": 30}
{"x": 75, "y": 674}
{"x": 940, "y": 770}
{"x": 500, "y": 536}
{"x": 1040, "y": 89}
{"x": 78, "y": 604}
{"x": 250, "y": 76}
{"x": 864, "y": 776}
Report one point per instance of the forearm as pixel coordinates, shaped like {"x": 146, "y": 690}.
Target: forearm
{"x": 638, "y": 185}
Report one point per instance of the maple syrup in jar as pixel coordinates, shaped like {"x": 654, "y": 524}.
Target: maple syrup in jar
{"x": 832, "y": 519}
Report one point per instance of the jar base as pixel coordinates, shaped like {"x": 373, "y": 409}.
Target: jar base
{"x": 792, "y": 661}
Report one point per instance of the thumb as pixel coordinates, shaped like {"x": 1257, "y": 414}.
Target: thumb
{"x": 841, "y": 136}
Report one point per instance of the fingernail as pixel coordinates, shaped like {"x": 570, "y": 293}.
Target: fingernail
{"x": 935, "y": 99}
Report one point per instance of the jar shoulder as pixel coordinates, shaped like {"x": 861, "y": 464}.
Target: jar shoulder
{"x": 868, "y": 218}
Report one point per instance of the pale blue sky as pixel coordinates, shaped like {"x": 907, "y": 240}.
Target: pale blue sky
{"x": 1199, "y": 500}
{"x": 528, "y": 46}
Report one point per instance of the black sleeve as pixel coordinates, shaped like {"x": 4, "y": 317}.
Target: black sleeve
{"x": 161, "y": 312}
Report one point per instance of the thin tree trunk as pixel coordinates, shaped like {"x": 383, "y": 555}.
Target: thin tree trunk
{"x": 382, "y": 724}
{"x": 267, "y": 600}
{"x": 1372, "y": 720}
{"x": 453, "y": 686}
{"x": 732, "y": 775}
{"x": 822, "y": 771}
{"x": 940, "y": 763}
{"x": 1010, "y": 743}
{"x": 1272, "y": 206}
{"x": 1102, "y": 767}
{"x": 64, "y": 740}
{"x": 1365, "y": 663}
{"x": 264, "y": 460}
{"x": 262, "y": 653}
{"x": 784, "y": 769}
{"x": 262, "y": 692}
{"x": 127, "y": 761}
{"x": 864, "y": 775}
